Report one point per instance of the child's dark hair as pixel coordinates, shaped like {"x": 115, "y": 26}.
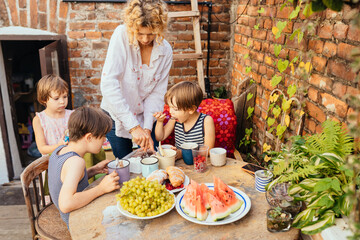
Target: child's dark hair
{"x": 50, "y": 83}
{"x": 88, "y": 120}
{"x": 187, "y": 95}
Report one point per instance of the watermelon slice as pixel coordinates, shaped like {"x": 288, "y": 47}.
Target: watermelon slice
{"x": 201, "y": 212}
{"x": 189, "y": 200}
{"x": 205, "y": 190}
{"x": 218, "y": 209}
{"x": 226, "y": 195}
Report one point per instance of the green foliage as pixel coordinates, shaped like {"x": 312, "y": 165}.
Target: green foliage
{"x": 220, "y": 92}
{"x": 333, "y": 139}
{"x": 316, "y": 168}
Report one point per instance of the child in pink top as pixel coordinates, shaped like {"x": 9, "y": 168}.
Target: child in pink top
{"x": 50, "y": 125}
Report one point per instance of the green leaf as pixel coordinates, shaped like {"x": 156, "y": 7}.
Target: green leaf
{"x": 248, "y": 44}
{"x": 282, "y": 6}
{"x": 280, "y": 129}
{"x": 271, "y": 129}
{"x": 322, "y": 185}
{"x": 307, "y": 10}
{"x": 291, "y": 90}
{"x": 257, "y": 26}
{"x": 251, "y": 82}
{"x": 303, "y": 217}
{"x": 286, "y": 104}
{"x": 250, "y": 110}
{"x": 325, "y": 221}
{"x": 270, "y": 121}
{"x": 249, "y": 96}
{"x": 261, "y": 10}
{"x": 294, "y": 59}
{"x": 335, "y": 184}
{"x": 294, "y": 13}
{"x": 246, "y": 56}
{"x": 276, "y": 111}
{"x": 300, "y": 36}
{"x": 282, "y": 65}
{"x": 275, "y": 80}
{"x": 277, "y": 49}
{"x": 317, "y": 6}
{"x": 280, "y": 26}
{"x": 335, "y": 5}
{"x": 295, "y": 32}
{"x": 248, "y": 69}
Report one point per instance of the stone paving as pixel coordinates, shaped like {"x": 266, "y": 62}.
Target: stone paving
{"x": 14, "y": 221}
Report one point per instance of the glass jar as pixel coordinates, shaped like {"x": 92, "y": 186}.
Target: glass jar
{"x": 278, "y": 223}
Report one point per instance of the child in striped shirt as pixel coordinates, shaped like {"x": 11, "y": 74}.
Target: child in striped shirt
{"x": 184, "y": 99}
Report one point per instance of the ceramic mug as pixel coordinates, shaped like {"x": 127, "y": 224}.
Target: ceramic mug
{"x": 167, "y": 160}
{"x": 148, "y": 165}
{"x": 186, "y": 151}
{"x": 262, "y": 178}
{"x": 218, "y": 156}
{"x": 123, "y": 172}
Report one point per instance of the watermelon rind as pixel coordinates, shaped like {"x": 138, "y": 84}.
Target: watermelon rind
{"x": 201, "y": 212}
{"x": 218, "y": 210}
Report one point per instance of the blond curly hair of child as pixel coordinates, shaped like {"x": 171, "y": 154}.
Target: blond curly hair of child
{"x": 145, "y": 13}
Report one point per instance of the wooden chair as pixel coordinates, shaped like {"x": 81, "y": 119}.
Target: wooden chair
{"x": 45, "y": 220}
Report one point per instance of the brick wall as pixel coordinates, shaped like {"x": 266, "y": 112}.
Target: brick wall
{"x": 89, "y": 26}
{"x": 331, "y": 79}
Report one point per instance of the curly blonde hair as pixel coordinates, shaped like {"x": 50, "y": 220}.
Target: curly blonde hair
{"x": 145, "y": 13}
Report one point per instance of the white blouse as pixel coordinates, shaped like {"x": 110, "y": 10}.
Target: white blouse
{"x": 133, "y": 91}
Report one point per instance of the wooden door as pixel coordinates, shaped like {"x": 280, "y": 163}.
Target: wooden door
{"x": 53, "y": 60}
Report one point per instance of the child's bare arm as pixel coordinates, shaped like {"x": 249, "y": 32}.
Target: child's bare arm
{"x": 71, "y": 174}
{"x": 162, "y": 132}
{"x": 40, "y": 138}
{"x": 209, "y": 132}
{"x": 100, "y": 167}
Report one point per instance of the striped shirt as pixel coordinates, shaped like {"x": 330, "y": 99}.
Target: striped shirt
{"x": 56, "y": 163}
{"x": 195, "y": 134}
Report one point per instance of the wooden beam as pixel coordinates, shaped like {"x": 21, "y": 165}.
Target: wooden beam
{"x": 184, "y": 14}
{"x": 188, "y": 56}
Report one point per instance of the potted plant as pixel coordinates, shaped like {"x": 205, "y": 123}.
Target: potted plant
{"x": 278, "y": 220}
{"x": 278, "y": 196}
{"x": 315, "y": 167}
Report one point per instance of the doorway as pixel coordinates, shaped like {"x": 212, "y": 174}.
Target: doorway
{"x": 25, "y": 59}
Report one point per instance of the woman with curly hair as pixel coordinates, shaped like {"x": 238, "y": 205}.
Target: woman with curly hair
{"x": 135, "y": 75}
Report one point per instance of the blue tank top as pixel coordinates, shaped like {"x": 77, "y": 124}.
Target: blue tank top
{"x": 56, "y": 163}
{"x": 195, "y": 134}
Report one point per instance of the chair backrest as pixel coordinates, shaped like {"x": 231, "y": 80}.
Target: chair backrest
{"x": 34, "y": 199}
{"x": 223, "y": 113}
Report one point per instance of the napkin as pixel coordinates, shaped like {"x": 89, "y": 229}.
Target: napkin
{"x": 135, "y": 165}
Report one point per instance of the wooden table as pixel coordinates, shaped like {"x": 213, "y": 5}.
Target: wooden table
{"x": 101, "y": 220}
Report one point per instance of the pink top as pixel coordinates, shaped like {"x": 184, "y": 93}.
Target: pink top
{"x": 54, "y": 128}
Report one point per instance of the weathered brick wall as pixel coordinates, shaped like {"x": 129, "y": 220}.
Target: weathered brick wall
{"x": 89, "y": 27}
{"x": 331, "y": 79}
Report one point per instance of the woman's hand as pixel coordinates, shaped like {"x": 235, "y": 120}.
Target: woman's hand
{"x": 143, "y": 138}
{"x": 160, "y": 117}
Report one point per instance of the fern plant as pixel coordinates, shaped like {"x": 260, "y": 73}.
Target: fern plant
{"x": 332, "y": 139}
{"x": 315, "y": 167}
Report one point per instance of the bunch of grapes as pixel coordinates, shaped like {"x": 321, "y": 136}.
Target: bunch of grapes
{"x": 144, "y": 198}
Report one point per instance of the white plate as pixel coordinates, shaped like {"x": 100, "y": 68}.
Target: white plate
{"x": 130, "y": 215}
{"x": 186, "y": 182}
{"x": 244, "y": 209}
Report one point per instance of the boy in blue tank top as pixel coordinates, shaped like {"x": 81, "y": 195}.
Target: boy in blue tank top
{"x": 67, "y": 174}
{"x": 184, "y": 99}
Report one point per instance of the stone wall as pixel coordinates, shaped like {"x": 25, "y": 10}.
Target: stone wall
{"x": 89, "y": 26}
{"x": 332, "y": 77}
